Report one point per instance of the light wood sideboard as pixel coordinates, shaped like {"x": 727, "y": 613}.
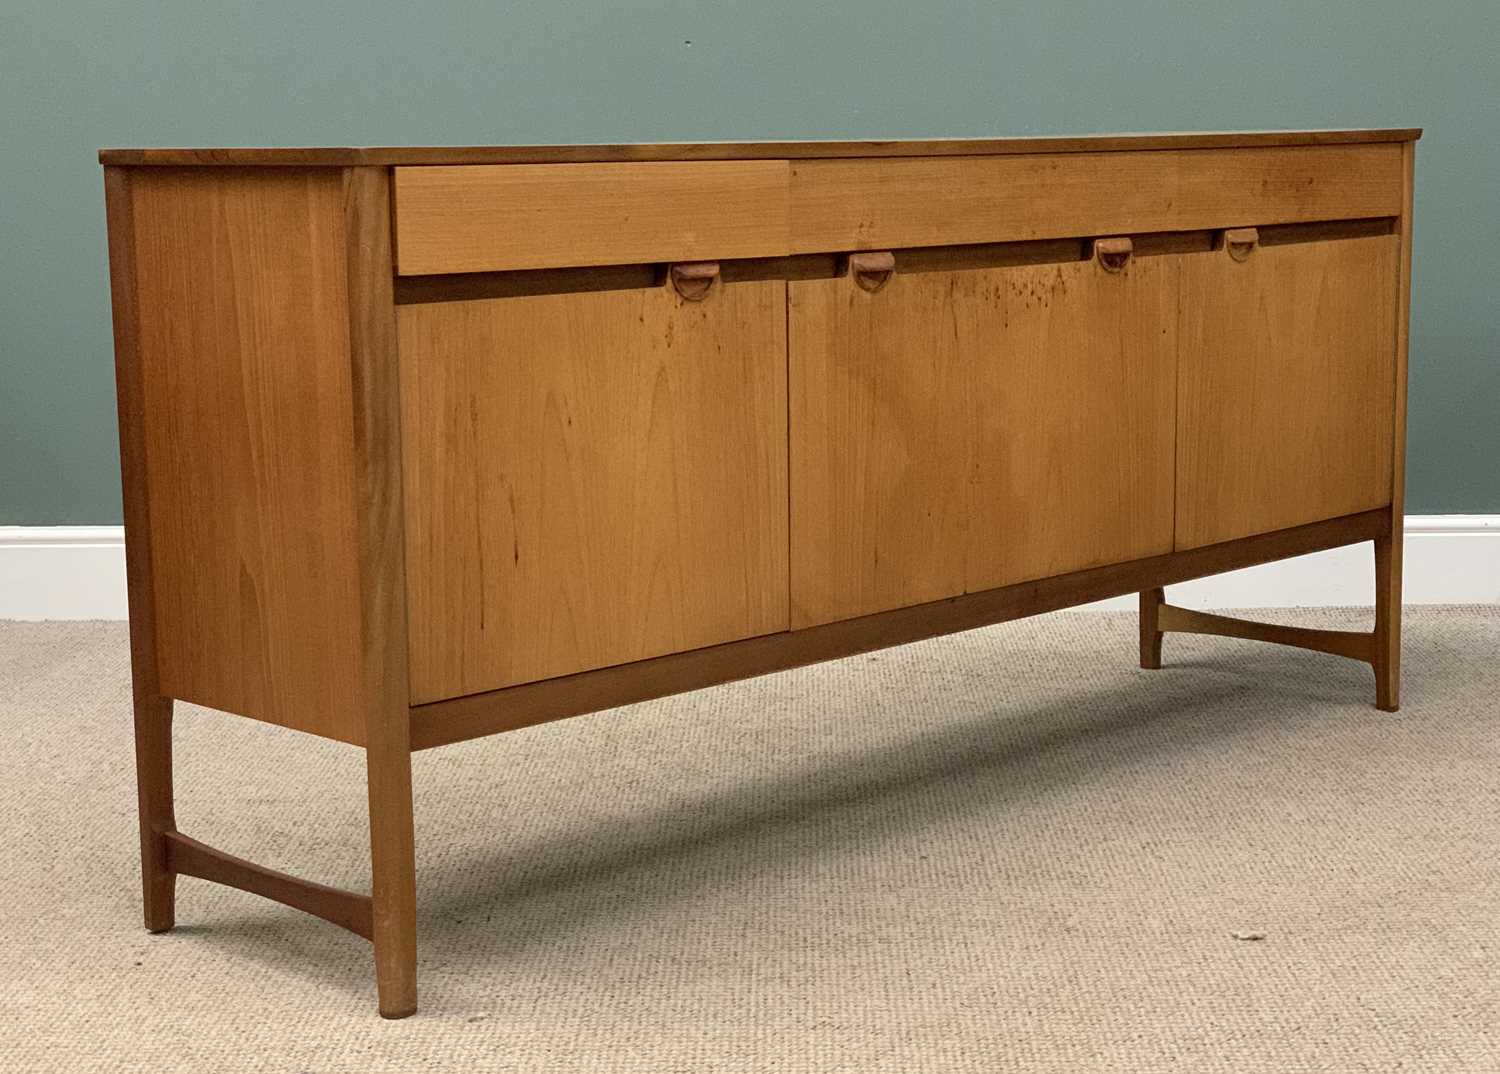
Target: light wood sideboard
{"x": 424, "y": 444}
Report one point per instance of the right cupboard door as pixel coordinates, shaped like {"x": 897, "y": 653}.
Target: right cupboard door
{"x": 1286, "y": 386}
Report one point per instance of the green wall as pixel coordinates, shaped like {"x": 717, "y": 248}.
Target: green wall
{"x": 82, "y": 74}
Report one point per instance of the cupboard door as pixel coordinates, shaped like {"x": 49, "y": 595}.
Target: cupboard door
{"x": 1287, "y": 386}
{"x": 1074, "y": 406}
{"x": 967, "y": 429}
{"x": 590, "y": 479}
{"x": 879, "y": 445}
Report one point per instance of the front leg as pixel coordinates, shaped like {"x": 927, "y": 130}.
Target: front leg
{"x": 393, "y": 872}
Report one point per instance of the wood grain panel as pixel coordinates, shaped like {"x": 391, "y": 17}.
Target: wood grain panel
{"x": 876, "y": 204}
{"x": 590, "y": 479}
{"x": 1286, "y": 389}
{"x": 880, "y": 452}
{"x": 1073, "y": 415}
{"x": 565, "y": 154}
{"x": 478, "y": 219}
{"x": 244, "y": 349}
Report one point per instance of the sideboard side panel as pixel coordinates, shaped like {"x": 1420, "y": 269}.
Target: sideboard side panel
{"x": 248, "y": 436}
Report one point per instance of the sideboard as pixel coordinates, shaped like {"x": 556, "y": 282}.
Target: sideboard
{"x": 423, "y": 444}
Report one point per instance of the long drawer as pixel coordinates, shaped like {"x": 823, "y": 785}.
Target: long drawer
{"x": 490, "y": 218}
{"x": 869, "y": 204}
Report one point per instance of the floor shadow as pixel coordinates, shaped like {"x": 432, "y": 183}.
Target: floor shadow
{"x": 1004, "y": 755}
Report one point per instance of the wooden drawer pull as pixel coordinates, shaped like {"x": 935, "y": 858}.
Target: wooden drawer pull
{"x": 1113, "y": 254}
{"x": 693, "y": 279}
{"x": 872, "y": 270}
{"x": 1241, "y": 242}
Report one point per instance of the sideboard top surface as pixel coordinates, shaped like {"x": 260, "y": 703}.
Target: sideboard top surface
{"x": 345, "y": 156}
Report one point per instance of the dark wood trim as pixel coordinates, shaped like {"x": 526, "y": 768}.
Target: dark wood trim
{"x": 153, "y": 712}
{"x": 346, "y": 909}
{"x": 519, "y": 283}
{"x": 1355, "y": 644}
{"x": 1157, "y": 243}
{"x": 515, "y": 283}
{"x": 1325, "y": 230}
{"x": 444, "y": 722}
{"x": 988, "y": 255}
{"x": 382, "y": 585}
{"x": 343, "y": 156}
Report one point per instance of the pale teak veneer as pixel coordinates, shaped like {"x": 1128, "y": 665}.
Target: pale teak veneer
{"x": 425, "y": 444}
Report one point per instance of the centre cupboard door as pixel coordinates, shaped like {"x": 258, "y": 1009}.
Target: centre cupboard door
{"x": 590, "y": 478}
{"x": 960, "y": 429}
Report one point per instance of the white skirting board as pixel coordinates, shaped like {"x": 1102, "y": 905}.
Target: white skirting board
{"x": 78, "y": 572}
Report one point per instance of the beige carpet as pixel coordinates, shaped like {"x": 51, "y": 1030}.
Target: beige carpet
{"x": 1010, "y": 850}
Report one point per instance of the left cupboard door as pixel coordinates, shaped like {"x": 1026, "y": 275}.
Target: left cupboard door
{"x": 590, "y": 479}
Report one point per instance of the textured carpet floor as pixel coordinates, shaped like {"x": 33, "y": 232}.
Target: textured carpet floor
{"x": 1005, "y": 851}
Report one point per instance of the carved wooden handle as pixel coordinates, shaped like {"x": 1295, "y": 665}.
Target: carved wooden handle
{"x": 1113, "y": 254}
{"x": 693, "y": 279}
{"x": 1241, "y": 242}
{"x": 872, "y": 270}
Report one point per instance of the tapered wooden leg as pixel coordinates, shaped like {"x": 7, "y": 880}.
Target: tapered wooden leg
{"x": 153, "y": 779}
{"x": 394, "y": 876}
{"x": 1387, "y": 654}
{"x": 1151, "y": 602}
